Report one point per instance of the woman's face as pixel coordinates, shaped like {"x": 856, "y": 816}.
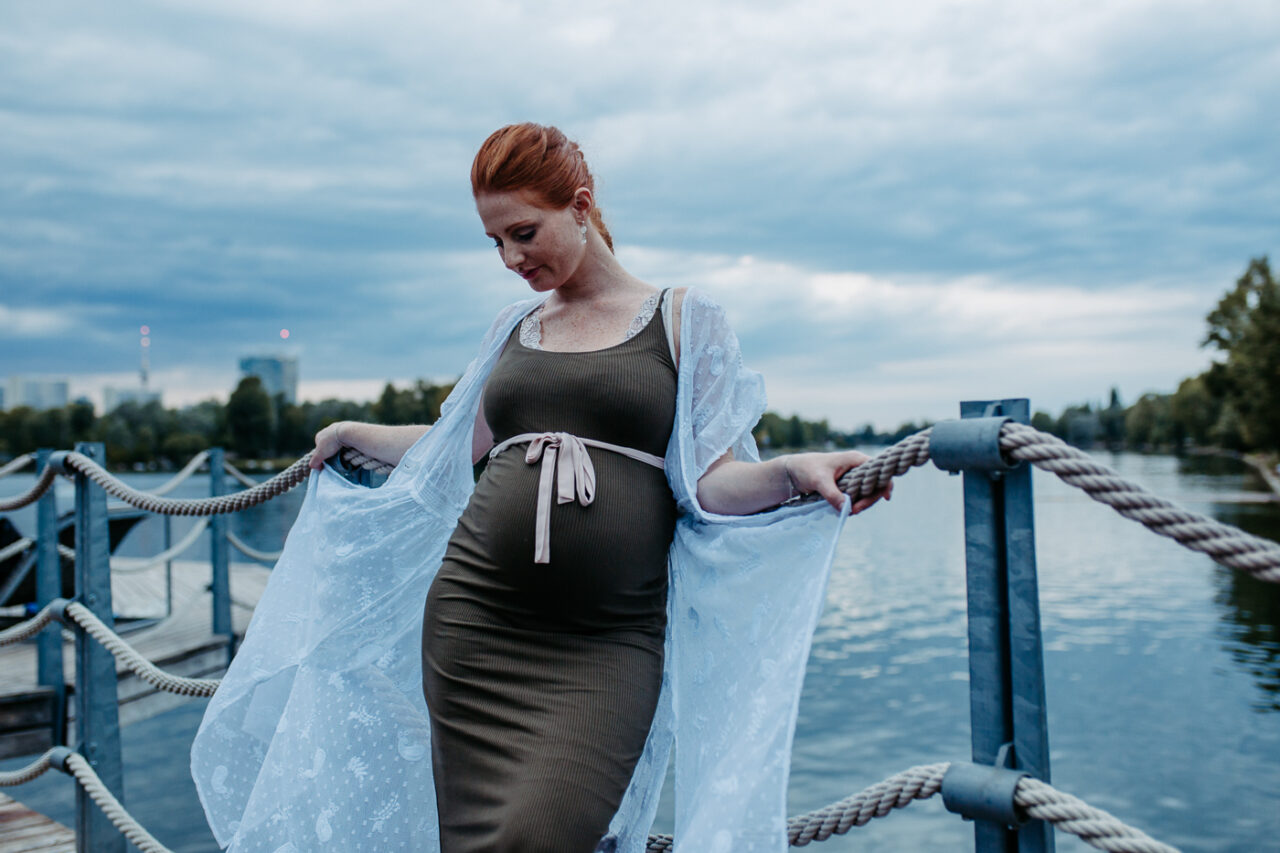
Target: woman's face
{"x": 541, "y": 245}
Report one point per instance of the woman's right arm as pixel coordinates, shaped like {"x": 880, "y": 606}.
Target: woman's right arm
{"x": 387, "y": 443}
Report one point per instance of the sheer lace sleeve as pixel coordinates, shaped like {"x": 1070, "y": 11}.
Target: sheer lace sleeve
{"x": 718, "y": 402}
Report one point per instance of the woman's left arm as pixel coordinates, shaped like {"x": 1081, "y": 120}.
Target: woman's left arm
{"x": 731, "y": 487}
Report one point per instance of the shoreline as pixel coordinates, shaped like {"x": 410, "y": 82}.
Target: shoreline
{"x": 1265, "y": 465}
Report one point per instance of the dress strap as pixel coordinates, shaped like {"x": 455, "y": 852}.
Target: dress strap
{"x": 565, "y": 457}
{"x": 667, "y": 308}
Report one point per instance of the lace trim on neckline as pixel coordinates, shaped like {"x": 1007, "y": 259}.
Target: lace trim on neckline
{"x": 531, "y": 325}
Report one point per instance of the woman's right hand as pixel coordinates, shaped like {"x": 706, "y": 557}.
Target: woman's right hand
{"x": 328, "y": 442}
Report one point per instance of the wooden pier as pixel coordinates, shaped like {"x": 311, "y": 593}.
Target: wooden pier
{"x": 182, "y": 644}
{"x": 25, "y": 831}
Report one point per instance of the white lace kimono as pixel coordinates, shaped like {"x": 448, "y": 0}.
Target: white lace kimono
{"x": 319, "y": 740}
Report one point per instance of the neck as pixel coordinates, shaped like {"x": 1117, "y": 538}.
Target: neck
{"x": 598, "y": 278}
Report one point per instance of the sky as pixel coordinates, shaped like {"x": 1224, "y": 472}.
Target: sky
{"x": 899, "y": 205}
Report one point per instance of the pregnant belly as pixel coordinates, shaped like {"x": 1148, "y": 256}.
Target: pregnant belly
{"x": 608, "y": 567}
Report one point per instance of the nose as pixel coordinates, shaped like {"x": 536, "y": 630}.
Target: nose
{"x": 512, "y": 256}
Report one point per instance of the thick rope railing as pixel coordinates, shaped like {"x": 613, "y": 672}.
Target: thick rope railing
{"x": 262, "y": 492}
{"x": 353, "y": 458}
{"x": 251, "y": 552}
{"x": 1095, "y": 827}
{"x": 238, "y": 475}
{"x": 179, "y": 478}
{"x": 17, "y": 464}
{"x": 129, "y": 656}
{"x": 164, "y": 556}
{"x": 42, "y": 485}
{"x": 27, "y": 629}
{"x": 1021, "y": 443}
{"x": 15, "y": 547}
{"x": 79, "y": 767}
{"x": 23, "y": 775}
{"x": 1037, "y": 799}
{"x": 1225, "y": 544}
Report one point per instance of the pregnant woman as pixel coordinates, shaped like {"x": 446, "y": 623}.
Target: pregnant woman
{"x": 621, "y": 486}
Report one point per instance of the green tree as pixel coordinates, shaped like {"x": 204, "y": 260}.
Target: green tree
{"x": 1045, "y": 422}
{"x": 1245, "y": 327}
{"x": 1194, "y": 410}
{"x": 1148, "y": 422}
{"x": 251, "y": 418}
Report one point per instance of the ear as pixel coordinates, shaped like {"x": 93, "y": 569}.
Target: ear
{"x": 582, "y": 202}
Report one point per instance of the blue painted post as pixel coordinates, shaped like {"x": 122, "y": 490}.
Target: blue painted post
{"x": 97, "y": 709}
{"x": 219, "y": 554}
{"x": 49, "y": 587}
{"x": 1006, "y": 658}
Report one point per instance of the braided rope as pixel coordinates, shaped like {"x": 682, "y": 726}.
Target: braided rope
{"x": 878, "y": 471}
{"x": 355, "y": 459}
{"x": 1040, "y": 800}
{"x": 33, "y": 494}
{"x": 164, "y": 556}
{"x": 17, "y": 464}
{"x": 130, "y": 657}
{"x": 180, "y": 477}
{"x": 236, "y": 474}
{"x": 23, "y": 775}
{"x": 26, "y": 630}
{"x": 1224, "y": 543}
{"x": 16, "y": 547}
{"x": 249, "y": 551}
{"x": 262, "y": 492}
{"x": 895, "y": 792}
{"x": 1096, "y": 827}
{"x": 79, "y": 767}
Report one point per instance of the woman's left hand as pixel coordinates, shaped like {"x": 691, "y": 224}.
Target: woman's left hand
{"x": 821, "y": 472}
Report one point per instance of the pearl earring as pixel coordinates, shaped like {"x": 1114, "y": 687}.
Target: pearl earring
{"x": 582, "y": 229}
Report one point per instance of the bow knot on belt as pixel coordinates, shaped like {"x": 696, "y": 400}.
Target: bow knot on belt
{"x": 564, "y": 457}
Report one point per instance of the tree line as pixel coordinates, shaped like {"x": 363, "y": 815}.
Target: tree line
{"x": 251, "y": 424}
{"x": 1234, "y": 405}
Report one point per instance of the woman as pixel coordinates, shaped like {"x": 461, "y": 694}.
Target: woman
{"x": 545, "y": 628}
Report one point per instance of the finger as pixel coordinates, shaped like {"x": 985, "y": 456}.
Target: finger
{"x": 834, "y": 496}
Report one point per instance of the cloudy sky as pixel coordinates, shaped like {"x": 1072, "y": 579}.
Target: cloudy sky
{"x": 900, "y": 205}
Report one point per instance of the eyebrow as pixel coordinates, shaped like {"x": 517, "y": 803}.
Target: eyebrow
{"x": 520, "y": 224}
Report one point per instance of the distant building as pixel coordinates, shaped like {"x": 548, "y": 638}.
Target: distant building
{"x": 36, "y": 393}
{"x": 279, "y": 374}
{"x": 113, "y": 397}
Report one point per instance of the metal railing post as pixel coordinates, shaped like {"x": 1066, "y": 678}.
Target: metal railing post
{"x": 1006, "y": 659}
{"x": 219, "y": 554}
{"x": 48, "y": 587}
{"x": 97, "y": 709}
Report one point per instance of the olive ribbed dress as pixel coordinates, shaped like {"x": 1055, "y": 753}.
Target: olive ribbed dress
{"x": 542, "y": 678}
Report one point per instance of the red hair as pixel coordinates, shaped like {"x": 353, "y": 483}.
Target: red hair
{"x": 539, "y": 159}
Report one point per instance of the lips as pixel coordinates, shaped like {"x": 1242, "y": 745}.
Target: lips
{"x": 528, "y": 274}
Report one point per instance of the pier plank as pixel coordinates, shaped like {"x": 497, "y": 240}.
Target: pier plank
{"x": 25, "y": 831}
{"x": 183, "y": 643}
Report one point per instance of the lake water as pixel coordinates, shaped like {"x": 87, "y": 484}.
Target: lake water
{"x": 1162, "y": 668}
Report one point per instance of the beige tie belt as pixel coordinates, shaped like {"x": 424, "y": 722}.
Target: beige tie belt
{"x": 564, "y": 455}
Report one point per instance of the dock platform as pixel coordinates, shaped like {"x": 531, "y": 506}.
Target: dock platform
{"x": 182, "y": 644}
{"x": 25, "y": 831}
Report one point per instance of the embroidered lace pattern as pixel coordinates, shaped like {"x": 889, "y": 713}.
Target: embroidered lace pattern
{"x": 531, "y": 325}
